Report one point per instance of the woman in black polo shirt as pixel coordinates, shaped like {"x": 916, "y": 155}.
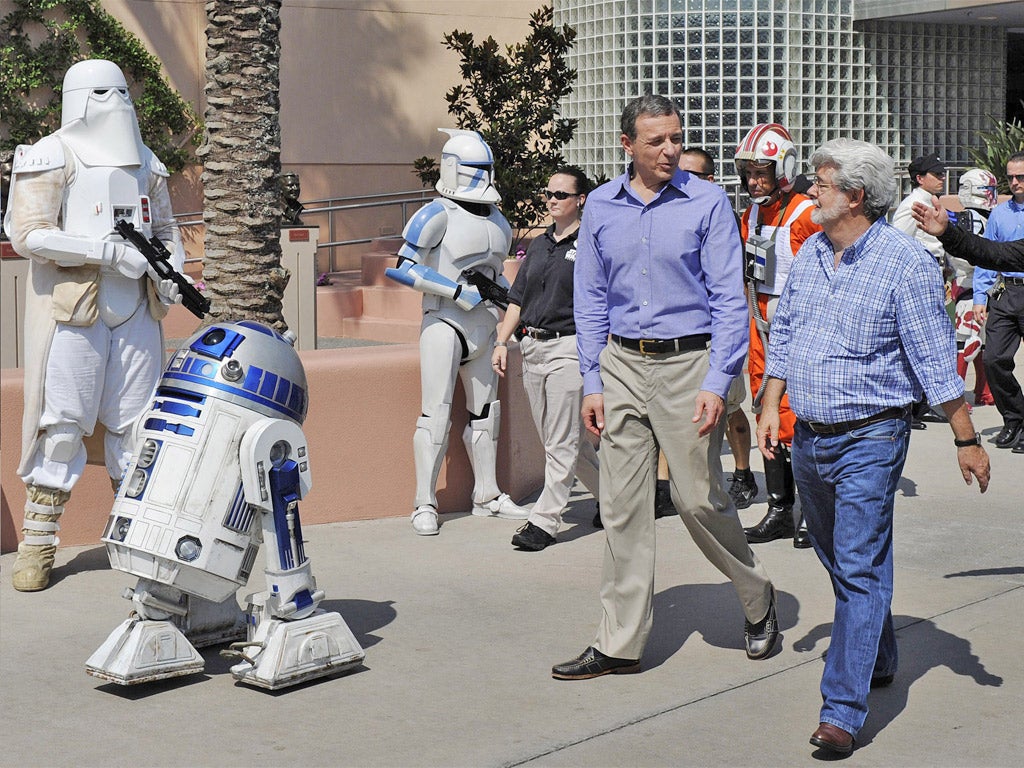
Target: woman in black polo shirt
{"x": 540, "y": 313}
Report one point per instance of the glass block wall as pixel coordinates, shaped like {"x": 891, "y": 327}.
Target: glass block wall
{"x": 911, "y": 88}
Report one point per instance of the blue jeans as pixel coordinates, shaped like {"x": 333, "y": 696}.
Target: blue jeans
{"x": 847, "y": 486}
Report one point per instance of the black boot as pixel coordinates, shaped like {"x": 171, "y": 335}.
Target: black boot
{"x": 778, "y": 522}
{"x": 801, "y": 539}
{"x": 663, "y": 506}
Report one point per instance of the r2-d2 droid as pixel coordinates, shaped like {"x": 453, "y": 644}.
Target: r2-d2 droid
{"x": 221, "y": 464}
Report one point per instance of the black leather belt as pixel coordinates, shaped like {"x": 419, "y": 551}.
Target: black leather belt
{"x": 660, "y": 346}
{"x": 819, "y": 428}
{"x": 1014, "y": 280}
{"x": 539, "y": 333}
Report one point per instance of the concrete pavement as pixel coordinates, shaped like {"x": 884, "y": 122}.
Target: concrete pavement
{"x": 460, "y": 632}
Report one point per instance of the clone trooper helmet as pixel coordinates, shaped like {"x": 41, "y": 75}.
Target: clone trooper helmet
{"x": 978, "y": 189}
{"x": 97, "y": 116}
{"x": 765, "y": 144}
{"x": 467, "y": 168}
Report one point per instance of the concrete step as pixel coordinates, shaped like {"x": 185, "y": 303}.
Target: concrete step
{"x": 398, "y": 303}
{"x": 373, "y": 268}
{"x": 379, "y": 329}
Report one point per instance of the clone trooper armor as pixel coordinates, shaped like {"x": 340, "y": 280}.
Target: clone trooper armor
{"x": 93, "y": 341}
{"x": 221, "y": 466}
{"x": 460, "y": 231}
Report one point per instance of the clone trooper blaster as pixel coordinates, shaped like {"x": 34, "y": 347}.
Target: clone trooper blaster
{"x": 490, "y": 290}
{"x": 158, "y": 256}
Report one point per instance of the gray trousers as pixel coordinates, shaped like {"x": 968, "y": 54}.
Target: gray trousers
{"x": 648, "y": 402}
{"x": 554, "y": 387}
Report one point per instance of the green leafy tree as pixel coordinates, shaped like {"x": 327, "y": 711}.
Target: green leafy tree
{"x": 41, "y": 39}
{"x": 512, "y": 99}
{"x": 998, "y": 144}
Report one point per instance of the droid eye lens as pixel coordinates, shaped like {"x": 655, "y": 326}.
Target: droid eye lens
{"x": 214, "y": 337}
{"x": 279, "y": 452}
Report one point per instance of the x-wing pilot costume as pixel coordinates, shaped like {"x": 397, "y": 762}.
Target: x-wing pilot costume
{"x": 773, "y": 228}
{"x": 93, "y": 340}
{"x": 462, "y": 230}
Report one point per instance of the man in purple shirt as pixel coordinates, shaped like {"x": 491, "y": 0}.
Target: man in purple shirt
{"x": 657, "y": 282}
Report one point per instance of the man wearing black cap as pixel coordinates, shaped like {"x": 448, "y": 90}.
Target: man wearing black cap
{"x": 927, "y": 177}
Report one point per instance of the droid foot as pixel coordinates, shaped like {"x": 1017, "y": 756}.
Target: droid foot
{"x": 141, "y": 651}
{"x": 284, "y": 653}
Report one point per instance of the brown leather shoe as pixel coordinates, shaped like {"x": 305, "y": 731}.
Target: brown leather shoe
{"x": 832, "y": 738}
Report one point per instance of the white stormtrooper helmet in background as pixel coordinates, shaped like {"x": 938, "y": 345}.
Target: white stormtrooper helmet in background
{"x": 978, "y": 189}
{"x": 97, "y": 115}
{"x": 467, "y": 168}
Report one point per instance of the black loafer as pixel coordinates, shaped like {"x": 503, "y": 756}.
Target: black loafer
{"x": 532, "y": 538}
{"x": 593, "y": 663}
{"x": 1008, "y": 435}
{"x": 760, "y": 638}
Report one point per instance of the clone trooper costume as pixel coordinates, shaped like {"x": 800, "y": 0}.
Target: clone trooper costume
{"x": 462, "y": 230}
{"x": 977, "y": 194}
{"x": 773, "y": 228}
{"x": 93, "y": 340}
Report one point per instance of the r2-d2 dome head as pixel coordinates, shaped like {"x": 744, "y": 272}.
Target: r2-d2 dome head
{"x": 93, "y": 83}
{"x": 467, "y": 167}
{"x": 978, "y": 189}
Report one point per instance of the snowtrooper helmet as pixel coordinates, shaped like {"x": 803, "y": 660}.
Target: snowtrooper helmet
{"x": 91, "y": 81}
{"x": 768, "y": 143}
{"x": 98, "y": 119}
{"x": 467, "y": 166}
{"x": 978, "y": 189}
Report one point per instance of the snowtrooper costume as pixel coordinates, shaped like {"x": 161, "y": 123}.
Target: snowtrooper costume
{"x": 93, "y": 340}
{"x": 462, "y": 230}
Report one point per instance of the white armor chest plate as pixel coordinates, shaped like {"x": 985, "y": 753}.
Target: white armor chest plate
{"x": 95, "y": 199}
{"x": 472, "y": 241}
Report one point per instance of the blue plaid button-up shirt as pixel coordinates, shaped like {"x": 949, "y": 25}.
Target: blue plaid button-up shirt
{"x": 869, "y": 335}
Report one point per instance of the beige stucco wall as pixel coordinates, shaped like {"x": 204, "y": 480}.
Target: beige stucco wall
{"x": 362, "y": 81}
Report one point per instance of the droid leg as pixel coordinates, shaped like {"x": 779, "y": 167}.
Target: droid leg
{"x": 43, "y": 507}
{"x": 289, "y": 639}
{"x": 481, "y": 439}
{"x": 148, "y": 646}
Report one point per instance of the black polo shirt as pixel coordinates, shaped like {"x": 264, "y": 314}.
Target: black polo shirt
{"x": 543, "y": 287}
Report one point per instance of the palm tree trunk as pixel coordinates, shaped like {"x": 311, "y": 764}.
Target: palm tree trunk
{"x": 242, "y": 162}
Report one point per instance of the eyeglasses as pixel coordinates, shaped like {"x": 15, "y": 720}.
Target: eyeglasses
{"x": 1015, "y": 177}
{"x": 558, "y": 194}
{"x": 820, "y": 185}
{"x": 704, "y": 176}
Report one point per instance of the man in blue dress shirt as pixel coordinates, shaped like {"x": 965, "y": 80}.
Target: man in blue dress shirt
{"x": 860, "y": 334}
{"x": 661, "y": 328}
{"x": 1004, "y": 327}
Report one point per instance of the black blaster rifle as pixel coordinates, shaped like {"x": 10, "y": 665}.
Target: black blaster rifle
{"x": 159, "y": 258}
{"x": 490, "y": 290}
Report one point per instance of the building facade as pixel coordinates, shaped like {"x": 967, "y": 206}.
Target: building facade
{"x": 910, "y": 87}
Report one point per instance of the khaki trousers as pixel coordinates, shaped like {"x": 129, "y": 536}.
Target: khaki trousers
{"x": 648, "y": 403}
{"x": 554, "y": 387}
